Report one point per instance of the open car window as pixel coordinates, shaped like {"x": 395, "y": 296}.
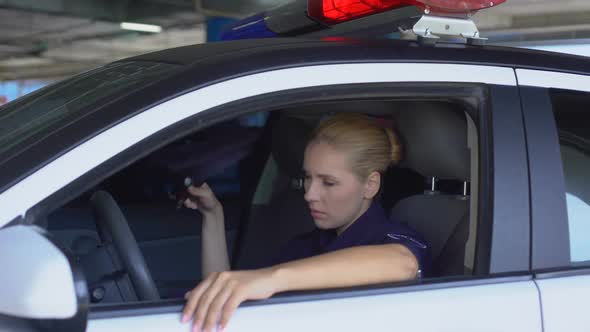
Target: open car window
{"x": 253, "y": 164}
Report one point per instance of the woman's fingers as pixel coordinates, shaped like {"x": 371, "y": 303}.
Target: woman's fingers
{"x": 215, "y": 308}
{"x": 191, "y": 204}
{"x": 219, "y": 296}
{"x": 193, "y": 299}
{"x": 201, "y": 191}
{"x": 228, "y": 310}
{"x": 205, "y": 198}
{"x": 207, "y": 298}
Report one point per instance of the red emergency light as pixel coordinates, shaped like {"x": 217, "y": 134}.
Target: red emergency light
{"x": 338, "y": 11}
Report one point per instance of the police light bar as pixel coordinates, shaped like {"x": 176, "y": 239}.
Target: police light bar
{"x": 280, "y": 21}
{"x": 338, "y": 11}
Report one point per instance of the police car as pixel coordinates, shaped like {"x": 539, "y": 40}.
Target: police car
{"x": 495, "y": 174}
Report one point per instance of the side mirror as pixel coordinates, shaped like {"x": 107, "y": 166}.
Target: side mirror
{"x": 38, "y": 282}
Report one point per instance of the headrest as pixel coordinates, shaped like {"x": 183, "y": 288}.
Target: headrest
{"x": 434, "y": 137}
{"x": 289, "y": 137}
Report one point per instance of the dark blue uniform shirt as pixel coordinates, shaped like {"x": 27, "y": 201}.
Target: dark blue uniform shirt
{"x": 372, "y": 228}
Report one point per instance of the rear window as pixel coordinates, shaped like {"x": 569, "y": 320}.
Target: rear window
{"x": 573, "y": 122}
{"x": 37, "y": 114}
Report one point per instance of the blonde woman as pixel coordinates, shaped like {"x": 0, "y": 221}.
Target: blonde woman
{"x": 354, "y": 242}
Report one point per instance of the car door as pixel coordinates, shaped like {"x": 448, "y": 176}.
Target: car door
{"x": 557, "y": 124}
{"x": 501, "y": 296}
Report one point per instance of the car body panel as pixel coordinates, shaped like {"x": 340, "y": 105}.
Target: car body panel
{"x": 475, "y": 308}
{"x": 564, "y": 301}
{"x": 550, "y": 247}
{"x": 509, "y": 185}
{"x": 550, "y": 79}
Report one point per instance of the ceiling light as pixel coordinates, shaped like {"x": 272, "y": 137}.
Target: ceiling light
{"x": 141, "y": 27}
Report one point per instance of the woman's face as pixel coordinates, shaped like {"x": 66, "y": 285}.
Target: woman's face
{"x": 335, "y": 195}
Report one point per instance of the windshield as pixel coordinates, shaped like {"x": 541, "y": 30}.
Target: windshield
{"x": 38, "y": 114}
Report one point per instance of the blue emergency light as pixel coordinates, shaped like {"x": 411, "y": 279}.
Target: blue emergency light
{"x": 250, "y": 27}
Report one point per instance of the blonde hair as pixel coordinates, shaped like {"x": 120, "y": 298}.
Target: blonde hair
{"x": 370, "y": 147}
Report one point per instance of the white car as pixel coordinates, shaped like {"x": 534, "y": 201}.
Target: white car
{"x": 496, "y": 177}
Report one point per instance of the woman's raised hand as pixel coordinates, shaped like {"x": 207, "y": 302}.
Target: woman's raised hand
{"x": 203, "y": 199}
{"x": 217, "y": 297}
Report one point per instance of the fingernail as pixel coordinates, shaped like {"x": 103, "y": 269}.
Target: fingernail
{"x": 184, "y": 318}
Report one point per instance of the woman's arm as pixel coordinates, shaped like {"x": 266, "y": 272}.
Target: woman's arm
{"x": 355, "y": 266}
{"x": 221, "y": 293}
{"x": 214, "y": 257}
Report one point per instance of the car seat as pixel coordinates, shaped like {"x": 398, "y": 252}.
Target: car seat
{"x": 434, "y": 137}
{"x": 272, "y": 223}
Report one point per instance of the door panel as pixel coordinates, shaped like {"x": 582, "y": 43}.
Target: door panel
{"x": 565, "y": 303}
{"x": 468, "y": 306}
{"x": 511, "y": 306}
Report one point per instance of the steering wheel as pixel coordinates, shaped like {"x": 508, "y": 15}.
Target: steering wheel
{"x": 112, "y": 223}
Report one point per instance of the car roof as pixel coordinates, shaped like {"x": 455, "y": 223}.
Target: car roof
{"x": 200, "y": 55}
{"x": 206, "y": 64}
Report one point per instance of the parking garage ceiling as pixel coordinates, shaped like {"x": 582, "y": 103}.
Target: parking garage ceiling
{"x": 56, "y": 38}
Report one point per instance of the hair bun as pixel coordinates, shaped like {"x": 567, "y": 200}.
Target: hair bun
{"x": 371, "y": 143}
{"x": 396, "y": 153}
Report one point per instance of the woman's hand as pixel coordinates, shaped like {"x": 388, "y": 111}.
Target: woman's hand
{"x": 214, "y": 255}
{"x": 203, "y": 199}
{"x": 218, "y": 296}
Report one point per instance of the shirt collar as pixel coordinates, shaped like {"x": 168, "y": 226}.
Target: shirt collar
{"x": 356, "y": 232}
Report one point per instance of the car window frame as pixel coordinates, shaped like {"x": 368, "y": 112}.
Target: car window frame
{"x": 498, "y": 254}
{"x": 303, "y": 96}
{"x": 550, "y": 255}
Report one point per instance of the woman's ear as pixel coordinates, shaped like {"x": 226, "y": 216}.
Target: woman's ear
{"x": 373, "y": 184}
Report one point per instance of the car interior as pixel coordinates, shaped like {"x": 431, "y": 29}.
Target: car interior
{"x": 253, "y": 163}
